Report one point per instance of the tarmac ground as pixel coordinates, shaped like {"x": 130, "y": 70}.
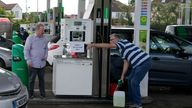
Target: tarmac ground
{"x": 159, "y": 97}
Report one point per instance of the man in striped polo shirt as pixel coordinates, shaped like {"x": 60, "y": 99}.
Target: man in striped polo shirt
{"x": 134, "y": 56}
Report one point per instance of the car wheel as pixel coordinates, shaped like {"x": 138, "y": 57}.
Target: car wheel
{"x": 2, "y": 63}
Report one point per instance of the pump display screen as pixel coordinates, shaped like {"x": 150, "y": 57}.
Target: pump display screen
{"x": 77, "y": 23}
{"x": 77, "y": 36}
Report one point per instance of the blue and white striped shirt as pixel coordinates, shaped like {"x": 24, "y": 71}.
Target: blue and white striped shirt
{"x": 132, "y": 53}
{"x": 36, "y": 51}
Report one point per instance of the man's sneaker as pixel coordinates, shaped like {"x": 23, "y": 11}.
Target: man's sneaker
{"x": 134, "y": 106}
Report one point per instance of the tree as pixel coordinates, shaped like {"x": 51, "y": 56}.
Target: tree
{"x": 125, "y": 17}
{"x": 128, "y": 9}
{"x": 2, "y": 12}
{"x": 132, "y": 2}
{"x": 163, "y": 14}
{"x": 5, "y": 14}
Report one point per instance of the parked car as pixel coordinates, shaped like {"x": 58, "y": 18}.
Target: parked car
{"x": 54, "y": 48}
{"x": 183, "y": 31}
{"x": 13, "y": 94}
{"x": 6, "y": 43}
{"x": 5, "y": 58}
{"x": 171, "y": 59}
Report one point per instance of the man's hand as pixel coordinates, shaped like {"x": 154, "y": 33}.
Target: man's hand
{"x": 89, "y": 46}
{"x": 30, "y": 64}
{"x": 44, "y": 59}
{"x": 122, "y": 78}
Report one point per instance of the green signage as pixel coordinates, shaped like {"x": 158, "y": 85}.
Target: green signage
{"x": 106, "y": 13}
{"x": 142, "y": 39}
{"x": 143, "y": 20}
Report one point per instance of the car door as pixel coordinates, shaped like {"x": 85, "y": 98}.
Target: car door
{"x": 167, "y": 67}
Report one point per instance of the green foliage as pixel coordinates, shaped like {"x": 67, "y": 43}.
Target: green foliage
{"x": 132, "y": 2}
{"x": 16, "y": 25}
{"x": 30, "y": 18}
{"x": 5, "y": 14}
{"x": 2, "y": 12}
{"x": 128, "y": 9}
{"x": 124, "y": 17}
{"x": 163, "y": 14}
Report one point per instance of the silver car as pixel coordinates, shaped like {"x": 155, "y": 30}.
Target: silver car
{"x": 13, "y": 94}
{"x": 5, "y": 57}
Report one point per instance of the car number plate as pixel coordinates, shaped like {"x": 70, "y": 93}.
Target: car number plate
{"x": 20, "y": 102}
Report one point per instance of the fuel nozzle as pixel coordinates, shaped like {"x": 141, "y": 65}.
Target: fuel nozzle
{"x": 120, "y": 82}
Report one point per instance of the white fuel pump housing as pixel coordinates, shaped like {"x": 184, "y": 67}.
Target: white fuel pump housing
{"x": 76, "y": 30}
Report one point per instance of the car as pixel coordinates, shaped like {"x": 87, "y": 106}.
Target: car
{"x": 5, "y": 58}
{"x": 54, "y": 48}
{"x": 6, "y": 43}
{"x": 183, "y": 31}
{"x": 13, "y": 94}
{"x": 171, "y": 59}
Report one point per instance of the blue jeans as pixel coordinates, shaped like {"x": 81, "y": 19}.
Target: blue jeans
{"x": 134, "y": 78}
{"x": 32, "y": 75}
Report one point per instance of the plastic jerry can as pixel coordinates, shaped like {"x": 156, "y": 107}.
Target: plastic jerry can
{"x": 119, "y": 99}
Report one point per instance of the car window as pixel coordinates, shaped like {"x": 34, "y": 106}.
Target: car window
{"x": 185, "y": 45}
{"x": 153, "y": 46}
{"x": 2, "y": 39}
{"x": 162, "y": 44}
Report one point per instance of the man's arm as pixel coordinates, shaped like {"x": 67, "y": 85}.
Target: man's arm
{"x": 125, "y": 69}
{"x": 27, "y": 49}
{"x": 101, "y": 45}
{"x": 46, "y": 51}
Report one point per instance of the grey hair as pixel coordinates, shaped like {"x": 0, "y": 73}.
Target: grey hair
{"x": 38, "y": 26}
{"x": 116, "y": 35}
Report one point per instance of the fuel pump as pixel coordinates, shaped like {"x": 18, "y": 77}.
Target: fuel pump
{"x": 72, "y": 71}
{"x": 74, "y": 34}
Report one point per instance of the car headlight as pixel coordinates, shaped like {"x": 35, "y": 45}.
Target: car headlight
{"x": 11, "y": 85}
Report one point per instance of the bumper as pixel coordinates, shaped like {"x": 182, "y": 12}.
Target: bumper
{"x": 15, "y": 101}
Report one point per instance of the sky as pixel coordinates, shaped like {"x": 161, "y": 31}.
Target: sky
{"x": 70, "y": 6}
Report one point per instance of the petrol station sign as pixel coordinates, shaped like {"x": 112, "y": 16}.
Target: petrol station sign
{"x": 142, "y": 32}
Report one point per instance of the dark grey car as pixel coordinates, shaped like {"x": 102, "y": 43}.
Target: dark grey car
{"x": 171, "y": 59}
